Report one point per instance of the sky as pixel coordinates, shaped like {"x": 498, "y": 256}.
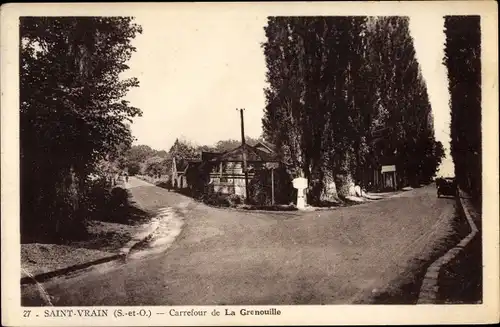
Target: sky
{"x": 192, "y": 79}
{"x": 429, "y": 39}
{"x": 193, "y": 76}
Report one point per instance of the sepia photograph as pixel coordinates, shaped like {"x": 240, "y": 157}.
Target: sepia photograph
{"x": 189, "y": 158}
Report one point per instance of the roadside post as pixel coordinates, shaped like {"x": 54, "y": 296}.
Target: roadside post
{"x": 300, "y": 184}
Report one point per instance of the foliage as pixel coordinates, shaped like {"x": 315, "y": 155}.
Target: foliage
{"x": 140, "y": 153}
{"x": 133, "y": 168}
{"x": 183, "y": 149}
{"x": 235, "y": 199}
{"x": 145, "y": 160}
{"x": 463, "y": 60}
{"x": 72, "y": 116}
{"x": 156, "y": 166}
{"x": 216, "y": 199}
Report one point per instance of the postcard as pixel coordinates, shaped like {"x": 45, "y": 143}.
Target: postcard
{"x": 301, "y": 163}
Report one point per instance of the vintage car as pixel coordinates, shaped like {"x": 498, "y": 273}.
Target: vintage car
{"x": 446, "y": 186}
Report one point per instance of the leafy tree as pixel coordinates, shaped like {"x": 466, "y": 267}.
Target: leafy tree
{"x": 226, "y": 145}
{"x": 140, "y": 153}
{"x": 72, "y": 113}
{"x": 183, "y": 149}
{"x": 133, "y": 168}
{"x": 162, "y": 153}
{"x": 260, "y": 189}
{"x": 433, "y": 155}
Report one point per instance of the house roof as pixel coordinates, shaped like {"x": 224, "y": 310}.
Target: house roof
{"x": 268, "y": 146}
{"x": 266, "y": 156}
{"x": 205, "y": 156}
{"x": 194, "y": 164}
{"x": 252, "y": 153}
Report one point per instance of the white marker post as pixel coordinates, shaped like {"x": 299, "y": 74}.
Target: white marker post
{"x": 300, "y": 184}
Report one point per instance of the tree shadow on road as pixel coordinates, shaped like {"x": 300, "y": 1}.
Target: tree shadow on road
{"x": 120, "y": 208}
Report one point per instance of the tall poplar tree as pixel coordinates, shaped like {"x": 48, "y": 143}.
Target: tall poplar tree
{"x": 332, "y": 82}
{"x": 463, "y": 60}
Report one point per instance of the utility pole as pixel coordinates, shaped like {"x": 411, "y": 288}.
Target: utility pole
{"x": 242, "y": 127}
{"x": 244, "y": 154}
{"x": 272, "y": 186}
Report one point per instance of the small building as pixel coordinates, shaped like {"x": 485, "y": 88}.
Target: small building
{"x": 265, "y": 147}
{"x": 227, "y": 175}
{"x": 223, "y": 173}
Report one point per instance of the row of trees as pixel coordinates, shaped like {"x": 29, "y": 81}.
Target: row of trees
{"x": 72, "y": 114}
{"x": 463, "y": 59}
{"x": 333, "y": 81}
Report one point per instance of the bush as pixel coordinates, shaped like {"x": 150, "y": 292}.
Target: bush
{"x": 235, "y": 199}
{"x": 216, "y": 199}
{"x": 119, "y": 197}
{"x": 260, "y": 187}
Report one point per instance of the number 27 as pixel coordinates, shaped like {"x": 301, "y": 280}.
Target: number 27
{"x": 26, "y": 313}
